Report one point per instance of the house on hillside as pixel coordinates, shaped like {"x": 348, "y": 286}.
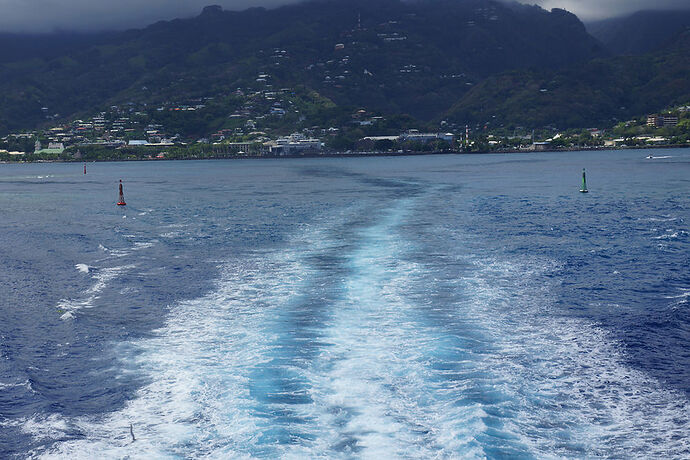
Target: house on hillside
{"x": 659, "y": 121}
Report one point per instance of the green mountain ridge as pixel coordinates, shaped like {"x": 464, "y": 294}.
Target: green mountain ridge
{"x": 397, "y": 57}
{"x": 598, "y": 93}
{"x": 468, "y": 61}
{"x": 641, "y": 32}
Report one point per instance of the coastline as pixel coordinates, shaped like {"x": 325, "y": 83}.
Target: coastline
{"x": 358, "y": 154}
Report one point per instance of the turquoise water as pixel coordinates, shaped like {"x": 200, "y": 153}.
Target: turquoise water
{"x": 403, "y": 307}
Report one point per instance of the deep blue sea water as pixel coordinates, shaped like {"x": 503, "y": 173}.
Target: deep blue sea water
{"x": 403, "y": 307}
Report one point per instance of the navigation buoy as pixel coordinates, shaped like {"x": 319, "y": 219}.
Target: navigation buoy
{"x": 584, "y": 182}
{"x": 121, "y": 201}
{"x": 84, "y": 168}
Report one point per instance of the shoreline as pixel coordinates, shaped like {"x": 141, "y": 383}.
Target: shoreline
{"x": 357, "y": 154}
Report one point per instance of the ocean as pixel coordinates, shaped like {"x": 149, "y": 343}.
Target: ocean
{"x": 450, "y": 306}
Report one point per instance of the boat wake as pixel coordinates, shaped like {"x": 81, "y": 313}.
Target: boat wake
{"x": 347, "y": 343}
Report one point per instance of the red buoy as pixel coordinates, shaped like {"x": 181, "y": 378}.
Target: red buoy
{"x": 84, "y": 168}
{"x": 121, "y": 201}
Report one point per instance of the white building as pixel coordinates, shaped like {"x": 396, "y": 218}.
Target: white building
{"x": 294, "y": 144}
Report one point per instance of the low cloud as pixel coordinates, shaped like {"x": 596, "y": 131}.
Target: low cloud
{"x": 89, "y": 15}
{"x": 600, "y": 9}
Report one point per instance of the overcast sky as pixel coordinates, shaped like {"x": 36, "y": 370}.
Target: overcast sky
{"x": 48, "y": 15}
{"x": 600, "y": 9}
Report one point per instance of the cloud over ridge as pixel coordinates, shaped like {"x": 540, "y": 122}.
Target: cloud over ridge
{"x": 600, "y": 9}
{"x": 90, "y": 15}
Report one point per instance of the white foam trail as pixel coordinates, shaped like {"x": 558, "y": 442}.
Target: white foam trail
{"x": 658, "y": 219}
{"x": 670, "y": 235}
{"x": 25, "y": 383}
{"x": 497, "y": 374}
{"x": 372, "y": 391}
{"x": 199, "y": 366}
{"x": 685, "y": 293}
{"x": 114, "y": 252}
{"x": 138, "y": 245}
{"x": 69, "y": 307}
{"x": 46, "y": 428}
{"x": 578, "y": 392}
{"x": 366, "y": 391}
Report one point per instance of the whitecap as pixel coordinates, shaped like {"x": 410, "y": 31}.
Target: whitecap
{"x": 144, "y": 244}
{"x": 101, "y": 277}
{"x": 25, "y": 383}
{"x": 685, "y": 293}
{"x": 82, "y": 268}
{"x": 658, "y": 219}
{"x": 667, "y": 236}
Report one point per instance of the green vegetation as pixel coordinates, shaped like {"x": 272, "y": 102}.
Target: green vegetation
{"x": 412, "y": 58}
{"x": 676, "y": 135}
{"x": 601, "y": 92}
{"x": 22, "y": 143}
{"x": 194, "y": 87}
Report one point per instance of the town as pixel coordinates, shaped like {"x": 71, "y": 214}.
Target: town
{"x": 265, "y": 113}
{"x": 261, "y": 121}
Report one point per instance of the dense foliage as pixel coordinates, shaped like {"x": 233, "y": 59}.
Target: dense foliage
{"x": 414, "y": 58}
{"x": 481, "y": 62}
{"x": 601, "y": 92}
{"x": 641, "y": 32}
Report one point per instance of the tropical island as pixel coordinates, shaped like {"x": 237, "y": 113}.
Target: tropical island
{"x": 142, "y": 135}
{"x": 331, "y": 77}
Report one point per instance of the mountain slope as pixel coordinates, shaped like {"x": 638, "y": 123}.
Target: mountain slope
{"x": 599, "y": 92}
{"x": 394, "y": 56}
{"x": 641, "y": 32}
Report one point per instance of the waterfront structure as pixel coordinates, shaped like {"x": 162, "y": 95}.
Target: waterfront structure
{"x": 294, "y": 144}
{"x": 540, "y": 146}
{"x": 415, "y": 136}
{"x": 659, "y": 121}
{"x": 54, "y": 148}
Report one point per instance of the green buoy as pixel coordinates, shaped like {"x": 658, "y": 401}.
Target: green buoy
{"x": 584, "y": 182}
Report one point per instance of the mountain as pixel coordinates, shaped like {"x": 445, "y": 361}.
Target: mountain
{"x": 598, "y": 92}
{"x": 18, "y": 47}
{"x": 388, "y": 55}
{"x": 641, "y": 32}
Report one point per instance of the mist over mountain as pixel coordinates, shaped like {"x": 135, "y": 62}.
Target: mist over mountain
{"x": 88, "y": 16}
{"x": 594, "y": 10}
{"x": 641, "y": 32}
{"x": 29, "y": 16}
